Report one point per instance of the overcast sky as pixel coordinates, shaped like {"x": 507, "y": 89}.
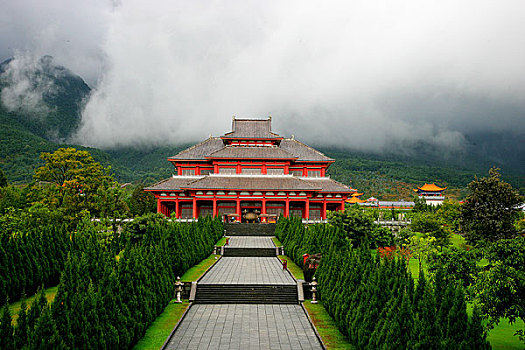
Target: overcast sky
{"x": 358, "y": 73}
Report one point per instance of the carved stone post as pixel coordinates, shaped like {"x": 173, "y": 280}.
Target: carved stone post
{"x": 314, "y": 291}
{"x": 178, "y": 289}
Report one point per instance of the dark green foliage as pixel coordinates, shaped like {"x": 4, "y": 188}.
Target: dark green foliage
{"x": 500, "y": 288}
{"x": 3, "y": 179}
{"x": 108, "y": 302}
{"x": 432, "y": 224}
{"x": 359, "y": 227}
{"x": 459, "y": 265}
{"x": 375, "y": 301}
{"x": 33, "y": 251}
{"x": 490, "y": 209}
{"x": 7, "y": 340}
{"x": 142, "y": 202}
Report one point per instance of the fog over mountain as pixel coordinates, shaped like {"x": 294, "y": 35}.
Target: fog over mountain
{"x": 360, "y": 74}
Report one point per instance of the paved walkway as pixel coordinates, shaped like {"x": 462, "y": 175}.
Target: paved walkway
{"x": 244, "y": 326}
{"x": 247, "y": 271}
{"x": 251, "y": 242}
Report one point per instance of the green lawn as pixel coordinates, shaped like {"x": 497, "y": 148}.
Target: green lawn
{"x": 277, "y": 242}
{"x": 221, "y": 242}
{"x": 332, "y": 338}
{"x": 198, "y": 270}
{"x": 296, "y": 271}
{"x": 14, "y": 308}
{"x": 161, "y": 328}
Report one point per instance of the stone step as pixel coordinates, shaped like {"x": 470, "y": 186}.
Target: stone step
{"x": 249, "y": 252}
{"x": 249, "y": 229}
{"x": 246, "y": 294}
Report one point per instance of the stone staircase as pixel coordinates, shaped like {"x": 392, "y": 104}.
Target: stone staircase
{"x": 249, "y": 252}
{"x": 249, "y": 229}
{"x": 246, "y": 294}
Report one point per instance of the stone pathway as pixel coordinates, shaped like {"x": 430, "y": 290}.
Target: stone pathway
{"x": 247, "y": 271}
{"x": 243, "y": 326}
{"x": 250, "y": 242}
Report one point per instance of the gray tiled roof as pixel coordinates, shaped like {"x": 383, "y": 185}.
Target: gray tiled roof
{"x": 252, "y": 183}
{"x": 302, "y": 151}
{"x": 171, "y": 184}
{"x": 328, "y": 185}
{"x": 251, "y": 152}
{"x": 200, "y": 150}
{"x": 252, "y": 129}
{"x": 257, "y": 182}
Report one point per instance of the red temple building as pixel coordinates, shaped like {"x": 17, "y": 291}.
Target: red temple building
{"x": 432, "y": 194}
{"x": 250, "y": 174}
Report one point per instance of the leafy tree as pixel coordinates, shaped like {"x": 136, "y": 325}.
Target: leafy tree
{"x": 72, "y": 181}
{"x": 490, "y": 209}
{"x": 142, "y": 202}
{"x": 432, "y": 225}
{"x": 500, "y": 289}
{"x": 359, "y": 227}
{"x": 422, "y": 247}
{"x": 458, "y": 264}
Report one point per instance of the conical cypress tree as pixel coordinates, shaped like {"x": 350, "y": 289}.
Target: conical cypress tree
{"x": 476, "y": 334}
{"x": 45, "y": 335}
{"x": 6, "y": 329}
{"x": 22, "y": 331}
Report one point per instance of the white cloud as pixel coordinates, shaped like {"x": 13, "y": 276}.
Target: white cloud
{"x": 360, "y": 73}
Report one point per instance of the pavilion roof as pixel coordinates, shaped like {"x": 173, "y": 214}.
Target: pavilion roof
{"x": 431, "y": 188}
{"x": 244, "y": 152}
{"x": 328, "y": 185}
{"x": 354, "y": 200}
{"x": 173, "y": 183}
{"x": 200, "y": 150}
{"x": 302, "y": 151}
{"x": 252, "y": 129}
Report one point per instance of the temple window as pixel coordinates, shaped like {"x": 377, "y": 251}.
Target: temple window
{"x": 296, "y": 172}
{"x": 314, "y": 173}
{"x": 188, "y": 172}
{"x": 251, "y": 171}
{"x": 275, "y": 171}
{"x": 227, "y": 171}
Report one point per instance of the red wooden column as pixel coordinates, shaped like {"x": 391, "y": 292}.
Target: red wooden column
{"x": 177, "y": 209}
{"x": 214, "y": 207}
{"x": 323, "y": 214}
{"x": 238, "y": 209}
{"x": 194, "y": 207}
{"x": 287, "y": 208}
{"x": 343, "y": 205}
{"x": 263, "y": 209}
{"x": 159, "y": 209}
{"x": 307, "y": 209}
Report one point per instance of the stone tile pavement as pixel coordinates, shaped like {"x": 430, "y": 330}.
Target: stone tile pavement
{"x": 245, "y": 326}
{"x": 243, "y": 270}
{"x": 250, "y": 242}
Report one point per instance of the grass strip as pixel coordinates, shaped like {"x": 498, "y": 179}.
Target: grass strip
{"x": 277, "y": 242}
{"x": 14, "y": 308}
{"x": 332, "y": 338}
{"x": 296, "y": 271}
{"x": 221, "y": 242}
{"x": 160, "y": 329}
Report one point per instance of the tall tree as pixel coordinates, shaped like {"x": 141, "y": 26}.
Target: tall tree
{"x": 490, "y": 209}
